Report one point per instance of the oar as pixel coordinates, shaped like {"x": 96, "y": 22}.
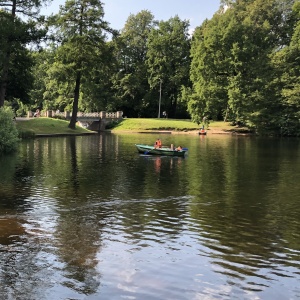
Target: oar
{"x": 147, "y": 152}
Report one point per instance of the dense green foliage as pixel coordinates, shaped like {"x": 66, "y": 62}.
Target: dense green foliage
{"x": 240, "y": 66}
{"x": 243, "y": 69}
{"x": 168, "y": 61}
{"x": 130, "y": 81}
{"x": 20, "y": 26}
{"x": 8, "y": 131}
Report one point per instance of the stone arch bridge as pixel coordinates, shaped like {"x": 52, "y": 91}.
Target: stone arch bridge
{"x": 96, "y": 121}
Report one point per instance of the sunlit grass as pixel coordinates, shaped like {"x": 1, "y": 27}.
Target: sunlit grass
{"x": 48, "y": 126}
{"x": 138, "y": 124}
{"x": 155, "y": 124}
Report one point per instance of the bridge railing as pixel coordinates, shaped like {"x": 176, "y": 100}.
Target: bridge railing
{"x": 67, "y": 114}
{"x": 88, "y": 115}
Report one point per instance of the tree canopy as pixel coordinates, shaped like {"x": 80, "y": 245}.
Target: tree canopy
{"x": 15, "y": 35}
{"x": 168, "y": 60}
{"x": 242, "y": 65}
{"x": 237, "y": 57}
{"x": 80, "y": 29}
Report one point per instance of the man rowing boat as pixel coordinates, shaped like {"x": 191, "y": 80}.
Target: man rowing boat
{"x": 158, "y": 144}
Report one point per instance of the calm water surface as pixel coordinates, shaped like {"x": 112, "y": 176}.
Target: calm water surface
{"x": 90, "y": 218}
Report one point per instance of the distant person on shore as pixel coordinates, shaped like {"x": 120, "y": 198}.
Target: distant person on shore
{"x": 37, "y": 113}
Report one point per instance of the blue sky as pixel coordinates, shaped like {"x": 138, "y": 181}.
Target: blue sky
{"x": 117, "y": 11}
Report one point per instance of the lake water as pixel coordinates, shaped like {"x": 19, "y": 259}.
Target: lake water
{"x": 90, "y": 218}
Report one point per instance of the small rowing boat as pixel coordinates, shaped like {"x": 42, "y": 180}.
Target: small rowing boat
{"x": 151, "y": 150}
{"x": 202, "y": 132}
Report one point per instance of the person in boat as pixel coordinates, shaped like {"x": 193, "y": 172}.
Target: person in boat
{"x": 202, "y": 130}
{"x": 158, "y": 143}
{"x": 179, "y": 148}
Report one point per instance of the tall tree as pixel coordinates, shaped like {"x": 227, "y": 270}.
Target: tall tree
{"x": 168, "y": 60}
{"x": 56, "y": 80}
{"x": 231, "y": 69}
{"x": 42, "y": 61}
{"x": 81, "y": 31}
{"x": 287, "y": 80}
{"x": 210, "y": 68}
{"x": 131, "y": 80}
{"x": 16, "y": 34}
{"x": 97, "y": 87}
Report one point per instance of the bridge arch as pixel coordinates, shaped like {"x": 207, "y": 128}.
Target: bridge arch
{"x": 96, "y": 121}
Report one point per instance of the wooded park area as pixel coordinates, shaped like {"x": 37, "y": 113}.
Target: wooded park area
{"x": 242, "y": 65}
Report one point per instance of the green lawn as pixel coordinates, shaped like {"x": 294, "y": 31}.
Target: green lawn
{"x": 154, "y": 124}
{"x": 47, "y": 126}
{"x": 138, "y": 124}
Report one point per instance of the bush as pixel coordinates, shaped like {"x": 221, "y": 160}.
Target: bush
{"x": 112, "y": 124}
{"x": 8, "y": 131}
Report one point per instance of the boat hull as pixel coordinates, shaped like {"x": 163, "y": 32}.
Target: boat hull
{"x": 151, "y": 150}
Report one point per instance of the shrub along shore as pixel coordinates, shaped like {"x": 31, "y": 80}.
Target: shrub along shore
{"x": 53, "y": 127}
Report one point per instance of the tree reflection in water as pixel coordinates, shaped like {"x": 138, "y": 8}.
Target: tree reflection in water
{"x": 89, "y": 218}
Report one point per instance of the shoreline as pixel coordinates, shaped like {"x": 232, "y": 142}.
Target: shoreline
{"x": 47, "y": 129}
{"x": 187, "y": 132}
{"x": 196, "y": 132}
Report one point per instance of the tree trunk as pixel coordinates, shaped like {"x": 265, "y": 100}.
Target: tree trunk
{"x": 73, "y": 120}
{"x": 226, "y": 115}
{"x": 4, "y": 80}
{"x": 3, "y": 85}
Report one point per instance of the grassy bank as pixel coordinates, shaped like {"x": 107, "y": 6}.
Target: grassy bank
{"x": 140, "y": 124}
{"x": 47, "y": 126}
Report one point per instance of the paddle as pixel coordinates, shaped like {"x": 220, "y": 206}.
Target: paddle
{"x": 147, "y": 152}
